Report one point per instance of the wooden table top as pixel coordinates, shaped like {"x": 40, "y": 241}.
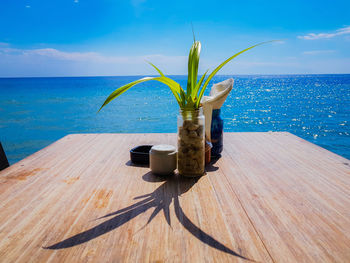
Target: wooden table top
{"x": 272, "y": 197}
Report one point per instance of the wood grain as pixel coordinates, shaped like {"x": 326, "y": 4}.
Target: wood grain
{"x": 271, "y": 197}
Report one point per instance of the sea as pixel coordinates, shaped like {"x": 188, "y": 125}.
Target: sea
{"x": 35, "y": 112}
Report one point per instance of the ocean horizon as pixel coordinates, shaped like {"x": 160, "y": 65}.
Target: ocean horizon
{"x": 178, "y": 75}
{"x": 36, "y": 111}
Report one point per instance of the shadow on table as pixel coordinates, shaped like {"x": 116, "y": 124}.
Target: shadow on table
{"x": 160, "y": 201}
{"x": 130, "y": 163}
{"x": 210, "y": 167}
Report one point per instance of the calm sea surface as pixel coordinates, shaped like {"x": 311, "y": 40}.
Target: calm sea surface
{"x": 35, "y": 112}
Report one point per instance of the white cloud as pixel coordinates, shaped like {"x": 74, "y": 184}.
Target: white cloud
{"x": 261, "y": 64}
{"x": 280, "y": 66}
{"x": 92, "y": 57}
{"x": 317, "y": 52}
{"x": 61, "y": 55}
{"x": 50, "y": 62}
{"x": 338, "y": 32}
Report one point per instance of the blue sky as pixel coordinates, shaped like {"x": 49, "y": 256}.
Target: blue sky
{"x": 106, "y": 37}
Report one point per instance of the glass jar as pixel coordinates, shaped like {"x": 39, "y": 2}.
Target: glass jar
{"x": 217, "y": 128}
{"x": 191, "y": 143}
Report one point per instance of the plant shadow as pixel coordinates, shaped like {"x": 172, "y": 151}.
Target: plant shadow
{"x": 159, "y": 200}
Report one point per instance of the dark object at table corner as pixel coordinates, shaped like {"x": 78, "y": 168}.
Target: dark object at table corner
{"x": 140, "y": 154}
{"x": 216, "y": 133}
{"x": 3, "y": 160}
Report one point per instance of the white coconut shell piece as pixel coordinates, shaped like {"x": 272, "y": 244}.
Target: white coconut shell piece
{"x": 215, "y": 100}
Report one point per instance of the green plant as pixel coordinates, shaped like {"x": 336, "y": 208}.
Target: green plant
{"x": 195, "y": 90}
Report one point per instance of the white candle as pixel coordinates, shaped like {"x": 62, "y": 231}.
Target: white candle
{"x": 162, "y": 159}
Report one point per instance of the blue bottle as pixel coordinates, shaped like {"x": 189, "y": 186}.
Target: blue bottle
{"x": 217, "y": 130}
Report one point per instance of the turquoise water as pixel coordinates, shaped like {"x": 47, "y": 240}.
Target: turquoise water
{"x": 35, "y": 112}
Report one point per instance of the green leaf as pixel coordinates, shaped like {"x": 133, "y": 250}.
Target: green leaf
{"x": 194, "y": 37}
{"x": 126, "y": 87}
{"x": 189, "y": 69}
{"x": 193, "y": 62}
{"x": 194, "y": 93}
{"x": 183, "y": 98}
{"x": 160, "y": 73}
{"x": 221, "y": 65}
{"x": 175, "y": 85}
{"x": 196, "y": 55}
{"x": 199, "y": 84}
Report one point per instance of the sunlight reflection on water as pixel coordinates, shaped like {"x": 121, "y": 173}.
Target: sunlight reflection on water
{"x": 37, "y": 111}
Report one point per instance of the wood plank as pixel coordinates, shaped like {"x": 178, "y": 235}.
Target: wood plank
{"x": 272, "y": 197}
{"x": 80, "y": 200}
{"x": 296, "y": 195}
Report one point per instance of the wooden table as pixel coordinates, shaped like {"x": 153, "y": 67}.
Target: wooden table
{"x": 272, "y": 197}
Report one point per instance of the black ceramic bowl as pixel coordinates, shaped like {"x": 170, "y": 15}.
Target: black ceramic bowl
{"x": 140, "y": 154}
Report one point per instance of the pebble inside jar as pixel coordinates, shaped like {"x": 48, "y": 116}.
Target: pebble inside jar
{"x": 191, "y": 143}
